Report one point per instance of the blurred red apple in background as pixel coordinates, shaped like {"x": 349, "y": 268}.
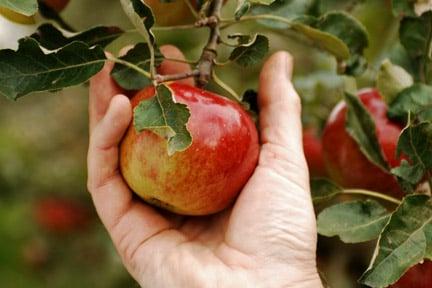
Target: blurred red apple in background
{"x": 312, "y": 146}
{"x": 206, "y": 177}
{"x": 419, "y": 276}
{"x": 346, "y": 164}
{"x": 61, "y": 215}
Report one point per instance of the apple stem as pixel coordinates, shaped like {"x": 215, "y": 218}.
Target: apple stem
{"x": 372, "y": 194}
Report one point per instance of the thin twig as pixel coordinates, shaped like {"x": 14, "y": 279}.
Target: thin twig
{"x": 205, "y": 65}
{"x": 173, "y": 77}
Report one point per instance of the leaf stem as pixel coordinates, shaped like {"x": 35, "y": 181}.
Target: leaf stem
{"x": 130, "y": 65}
{"x": 372, "y": 194}
{"x": 224, "y": 86}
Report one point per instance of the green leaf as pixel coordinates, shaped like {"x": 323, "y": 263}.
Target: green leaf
{"x": 352, "y": 33}
{"x": 52, "y": 38}
{"x": 243, "y": 7}
{"x": 392, "y": 79}
{"x": 353, "y": 222}
{"x": 361, "y": 126}
{"x": 340, "y": 34}
{"x": 403, "y": 7}
{"x": 416, "y": 100}
{"x": 326, "y": 41}
{"x": 141, "y": 17}
{"x": 129, "y": 78}
{"x": 403, "y": 242}
{"x": 30, "y": 69}
{"x": 324, "y": 190}
{"x": 251, "y": 53}
{"x": 416, "y": 143}
{"x": 25, "y": 7}
{"x": 289, "y": 9}
{"x": 347, "y": 28}
{"x": 163, "y": 116}
{"x": 414, "y": 33}
{"x": 408, "y": 175}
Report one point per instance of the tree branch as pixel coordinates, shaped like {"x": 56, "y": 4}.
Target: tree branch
{"x": 173, "y": 77}
{"x": 205, "y": 65}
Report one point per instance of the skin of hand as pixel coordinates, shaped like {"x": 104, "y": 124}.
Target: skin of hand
{"x": 267, "y": 239}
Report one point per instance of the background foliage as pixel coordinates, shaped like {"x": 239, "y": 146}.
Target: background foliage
{"x": 43, "y": 142}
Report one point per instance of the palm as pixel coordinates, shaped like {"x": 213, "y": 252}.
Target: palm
{"x": 267, "y": 239}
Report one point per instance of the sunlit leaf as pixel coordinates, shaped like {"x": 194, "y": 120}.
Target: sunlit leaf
{"x": 52, "y": 38}
{"x": 361, "y": 126}
{"x": 403, "y": 242}
{"x": 30, "y": 69}
{"x": 353, "y": 222}
{"x": 163, "y": 116}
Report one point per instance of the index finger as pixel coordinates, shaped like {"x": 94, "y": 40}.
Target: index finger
{"x": 102, "y": 89}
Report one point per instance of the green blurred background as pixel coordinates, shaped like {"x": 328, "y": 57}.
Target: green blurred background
{"x": 43, "y": 143}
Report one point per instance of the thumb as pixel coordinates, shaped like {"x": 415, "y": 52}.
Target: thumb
{"x": 280, "y": 119}
{"x": 283, "y": 225}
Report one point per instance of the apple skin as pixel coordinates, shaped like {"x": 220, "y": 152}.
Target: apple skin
{"x": 60, "y": 215}
{"x": 419, "y": 276}
{"x": 57, "y": 5}
{"x": 206, "y": 177}
{"x": 171, "y": 13}
{"x": 346, "y": 164}
{"x": 312, "y": 147}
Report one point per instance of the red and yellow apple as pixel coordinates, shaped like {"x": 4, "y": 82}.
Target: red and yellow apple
{"x": 312, "y": 147}
{"x": 346, "y": 164}
{"x": 419, "y": 276}
{"x": 207, "y": 176}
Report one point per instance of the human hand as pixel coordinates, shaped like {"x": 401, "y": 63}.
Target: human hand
{"x": 267, "y": 239}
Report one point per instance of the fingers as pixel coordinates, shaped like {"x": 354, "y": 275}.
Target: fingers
{"x": 174, "y": 67}
{"x": 278, "y": 192}
{"x": 109, "y": 192}
{"x": 130, "y": 223}
{"x": 280, "y": 106}
{"x": 102, "y": 89}
{"x": 111, "y": 196}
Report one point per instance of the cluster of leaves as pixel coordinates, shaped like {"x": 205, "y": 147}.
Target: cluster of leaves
{"x": 54, "y": 58}
{"x": 403, "y": 235}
